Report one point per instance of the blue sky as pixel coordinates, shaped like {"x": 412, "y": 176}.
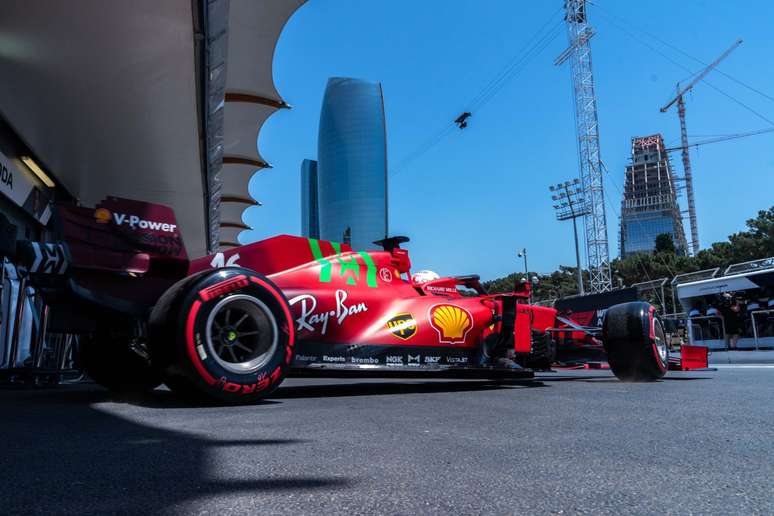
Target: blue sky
{"x": 470, "y": 200}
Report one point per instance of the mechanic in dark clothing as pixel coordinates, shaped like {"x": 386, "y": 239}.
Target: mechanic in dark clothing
{"x": 732, "y": 320}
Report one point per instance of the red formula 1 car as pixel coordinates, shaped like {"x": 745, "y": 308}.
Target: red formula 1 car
{"x": 233, "y": 325}
{"x": 578, "y": 334}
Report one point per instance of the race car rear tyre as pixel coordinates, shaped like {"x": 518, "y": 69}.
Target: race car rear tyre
{"x": 635, "y": 342}
{"x": 108, "y": 358}
{"x": 225, "y": 333}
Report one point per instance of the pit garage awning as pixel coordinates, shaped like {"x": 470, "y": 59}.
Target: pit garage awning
{"x": 152, "y": 100}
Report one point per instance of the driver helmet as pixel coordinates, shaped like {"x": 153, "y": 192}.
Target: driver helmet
{"x": 424, "y": 276}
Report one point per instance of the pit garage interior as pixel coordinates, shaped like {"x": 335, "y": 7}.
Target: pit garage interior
{"x": 147, "y": 100}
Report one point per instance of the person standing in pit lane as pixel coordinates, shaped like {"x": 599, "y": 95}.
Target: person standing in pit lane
{"x": 732, "y": 320}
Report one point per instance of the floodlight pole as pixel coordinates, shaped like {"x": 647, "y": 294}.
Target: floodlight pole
{"x": 562, "y": 214}
{"x": 577, "y": 257}
{"x": 579, "y": 270}
{"x": 523, "y": 253}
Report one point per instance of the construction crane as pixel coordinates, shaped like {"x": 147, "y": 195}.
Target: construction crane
{"x": 724, "y": 138}
{"x": 684, "y": 141}
{"x": 587, "y": 126}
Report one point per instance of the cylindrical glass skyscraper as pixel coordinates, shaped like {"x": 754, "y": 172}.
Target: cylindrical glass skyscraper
{"x": 352, "y": 162}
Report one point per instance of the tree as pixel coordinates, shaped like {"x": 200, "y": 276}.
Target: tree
{"x": 561, "y": 283}
{"x": 665, "y": 244}
{"x": 758, "y": 240}
{"x": 755, "y": 243}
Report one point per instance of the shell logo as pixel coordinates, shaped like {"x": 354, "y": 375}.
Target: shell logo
{"x": 102, "y": 216}
{"x": 451, "y": 322}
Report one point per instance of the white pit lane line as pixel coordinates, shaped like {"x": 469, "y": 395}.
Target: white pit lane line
{"x": 742, "y": 366}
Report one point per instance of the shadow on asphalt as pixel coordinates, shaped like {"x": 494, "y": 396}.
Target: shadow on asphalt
{"x": 613, "y": 379}
{"x": 166, "y": 399}
{"x": 163, "y": 399}
{"x": 64, "y": 455}
{"x": 394, "y": 388}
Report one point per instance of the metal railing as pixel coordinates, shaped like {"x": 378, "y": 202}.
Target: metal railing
{"x": 28, "y": 353}
{"x": 708, "y": 318}
{"x": 752, "y": 265}
{"x": 755, "y": 325}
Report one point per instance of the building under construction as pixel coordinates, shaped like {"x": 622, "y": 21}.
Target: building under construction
{"x": 649, "y": 206}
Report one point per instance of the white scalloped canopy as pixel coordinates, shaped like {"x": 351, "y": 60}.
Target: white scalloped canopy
{"x": 104, "y": 92}
{"x": 249, "y": 75}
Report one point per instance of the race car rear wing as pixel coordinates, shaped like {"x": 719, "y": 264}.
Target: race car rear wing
{"x": 101, "y": 252}
{"x": 122, "y": 235}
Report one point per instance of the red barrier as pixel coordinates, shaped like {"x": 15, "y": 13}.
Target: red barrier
{"x": 693, "y": 357}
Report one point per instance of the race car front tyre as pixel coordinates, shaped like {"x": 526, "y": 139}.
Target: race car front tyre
{"x": 635, "y": 342}
{"x": 225, "y": 333}
{"x": 111, "y": 358}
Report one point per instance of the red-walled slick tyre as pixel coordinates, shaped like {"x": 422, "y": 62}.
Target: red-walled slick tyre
{"x": 225, "y": 333}
{"x": 635, "y": 342}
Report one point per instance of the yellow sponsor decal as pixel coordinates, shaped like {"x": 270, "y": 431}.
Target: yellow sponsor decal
{"x": 451, "y": 322}
{"x": 403, "y": 326}
{"x": 102, "y": 216}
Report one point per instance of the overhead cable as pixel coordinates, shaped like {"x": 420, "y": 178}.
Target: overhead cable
{"x": 534, "y": 46}
{"x": 680, "y": 65}
{"x": 686, "y": 54}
